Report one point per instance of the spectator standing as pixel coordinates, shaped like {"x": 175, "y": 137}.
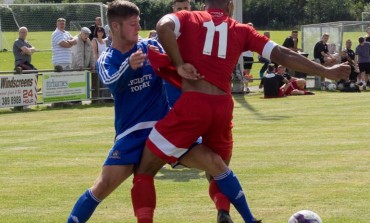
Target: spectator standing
{"x": 362, "y": 58}
{"x": 62, "y": 42}
{"x": 94, "y": 26}
{"x": 82, "y": 52}
{"x": 99, "y": 45}
{"x": 23, "y": 51}
{"x": 263, "y": 60}
{"x": 367, "y": 37}
{"x": 247, "y": 65}
{"x": 98, "y": 42}
{"x": 107, "y": 29}
{"x": 152, "y": 34}
{"x": 108, "y": 39}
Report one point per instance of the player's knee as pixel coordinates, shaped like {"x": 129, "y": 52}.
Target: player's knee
{"x": 215, "y": 165}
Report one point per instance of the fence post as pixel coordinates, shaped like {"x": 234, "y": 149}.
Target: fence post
{"x": 95, "y": 85}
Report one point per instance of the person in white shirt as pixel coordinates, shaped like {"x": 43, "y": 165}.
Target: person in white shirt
{"x": 62, "y": 41}
{"x": 99, "y": 43}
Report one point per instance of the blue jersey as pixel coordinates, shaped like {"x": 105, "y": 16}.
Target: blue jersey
{"x": 173, "y": 93}
{"x": 139, "y": 96}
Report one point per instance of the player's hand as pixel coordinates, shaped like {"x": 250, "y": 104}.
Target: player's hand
{"x": 153, "y": 48}
{"x": 137, "y": 59}
{"x": 338, "y": 71}
{"x": 188, "y": 71}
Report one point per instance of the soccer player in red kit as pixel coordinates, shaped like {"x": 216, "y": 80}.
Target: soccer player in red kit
{"x": 204, "y": 47}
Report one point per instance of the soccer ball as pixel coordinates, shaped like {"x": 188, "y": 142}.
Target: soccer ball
{"x": 332, "y": 87}
{"x": 305, "y": 216}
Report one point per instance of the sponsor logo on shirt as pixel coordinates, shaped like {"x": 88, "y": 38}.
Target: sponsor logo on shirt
{"x": 140, "y": 83}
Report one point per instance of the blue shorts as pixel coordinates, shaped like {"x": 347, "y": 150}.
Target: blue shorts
{"x": 128, "y": 150}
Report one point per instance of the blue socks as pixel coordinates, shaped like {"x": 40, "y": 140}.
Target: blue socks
{"x": 227, "y": 182}
{"x": 84, "y": 208}
{"x": 229, "y": 185}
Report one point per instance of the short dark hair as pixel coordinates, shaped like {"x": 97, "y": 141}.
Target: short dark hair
{"x": 121, "y": 9}
{"x": 361, "y": 39}
{"x": 271, "y": 67}
{"x": 294, "y": 31}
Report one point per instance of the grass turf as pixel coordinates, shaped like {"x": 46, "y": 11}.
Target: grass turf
{"x": 294, "y": 153}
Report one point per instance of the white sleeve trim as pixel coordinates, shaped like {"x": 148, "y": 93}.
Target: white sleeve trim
{"x": 270, "y": 45}
{"x": 177, "y": 23}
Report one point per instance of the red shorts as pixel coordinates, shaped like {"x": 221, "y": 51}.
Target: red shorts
{"x": 194, "y": 114}
{"x": 291, "y": 86}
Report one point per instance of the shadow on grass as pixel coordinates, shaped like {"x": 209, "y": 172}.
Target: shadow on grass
{"x": 179, "y": 174}
{"x": 242, "y": 101}
{"x": 49, "y": 107}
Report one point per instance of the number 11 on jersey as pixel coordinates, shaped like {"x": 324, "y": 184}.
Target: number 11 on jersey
{"x": 222, "y": 41}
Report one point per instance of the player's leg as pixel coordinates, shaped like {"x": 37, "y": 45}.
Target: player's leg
{"x": 143, "y": 191}
{"x": 264, "y": 67}
{"x": 201, "y": 157}
{"x": 109, "y": 179}
{"x": 219, "y": 138}
{"x": 248, "y": 62}
{"x": 220, "y": 200}
{"x": 367, "y": 73}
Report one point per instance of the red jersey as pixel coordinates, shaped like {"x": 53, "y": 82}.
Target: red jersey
{"x": 212, "y": 42}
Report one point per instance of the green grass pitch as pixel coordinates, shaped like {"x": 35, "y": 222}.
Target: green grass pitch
{"x": 294, "y": 153}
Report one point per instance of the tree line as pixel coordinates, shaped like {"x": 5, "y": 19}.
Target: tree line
{"x": 264, "y": 14}
{"x": 272, "y": 14}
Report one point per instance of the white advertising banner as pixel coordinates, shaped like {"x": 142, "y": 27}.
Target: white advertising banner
{"x": 18, "y": 90}
{"x": 68, "y": 86}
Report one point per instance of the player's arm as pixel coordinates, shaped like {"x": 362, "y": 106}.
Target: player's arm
{"x": 295, "y": 61}
{"x": 166, "y": 33}
{"x": 117, "y": 78}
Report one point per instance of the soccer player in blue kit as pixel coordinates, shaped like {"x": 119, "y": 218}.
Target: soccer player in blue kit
{"x": 139, "y": 102}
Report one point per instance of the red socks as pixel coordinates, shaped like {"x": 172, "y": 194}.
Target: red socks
{"x": 220, "y": 200}
{"x": 143, "y": 198}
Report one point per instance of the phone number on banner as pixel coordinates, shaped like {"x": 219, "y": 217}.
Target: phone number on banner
{"x": 18, "y": 90}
